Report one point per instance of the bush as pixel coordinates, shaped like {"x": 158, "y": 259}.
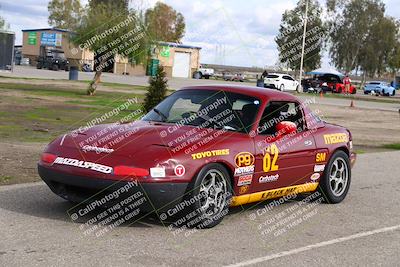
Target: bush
{"x": 157, "y": 90}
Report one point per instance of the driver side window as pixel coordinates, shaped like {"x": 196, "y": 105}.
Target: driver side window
{"x": 278, "y": 111}
{"x": 182, "y": 108}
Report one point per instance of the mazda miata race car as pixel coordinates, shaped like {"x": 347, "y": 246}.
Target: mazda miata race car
{"x": 200, "y": 151}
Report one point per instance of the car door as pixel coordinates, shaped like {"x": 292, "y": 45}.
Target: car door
{"x": 289, "y": 160}
{"x": 289, "y": 82}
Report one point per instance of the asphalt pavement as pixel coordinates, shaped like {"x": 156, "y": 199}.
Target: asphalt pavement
{"x": 364, "y": 230}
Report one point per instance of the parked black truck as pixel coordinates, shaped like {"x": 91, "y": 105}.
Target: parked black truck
{"x": 52, "y": 59}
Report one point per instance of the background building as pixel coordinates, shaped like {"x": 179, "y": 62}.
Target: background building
{"x": 178, "y": 60}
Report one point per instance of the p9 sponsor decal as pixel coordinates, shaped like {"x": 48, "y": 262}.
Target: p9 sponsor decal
{"x": 270, "y": 159}
{"x": 244, "y": 159}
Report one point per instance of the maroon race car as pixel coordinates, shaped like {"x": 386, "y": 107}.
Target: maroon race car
{"x": 200, "y": 151}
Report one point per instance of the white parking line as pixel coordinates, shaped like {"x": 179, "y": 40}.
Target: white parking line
{"x": 317, "y": 245}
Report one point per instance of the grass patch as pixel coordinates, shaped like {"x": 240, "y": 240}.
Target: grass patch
{"x": 5, "y": 178}
{"x": 354, "y": 97}
{"x": 395, "y": 146}
{"x": 28, "y": 118}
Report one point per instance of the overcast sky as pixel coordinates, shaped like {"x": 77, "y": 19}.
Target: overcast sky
{"x": 233, "y": 32}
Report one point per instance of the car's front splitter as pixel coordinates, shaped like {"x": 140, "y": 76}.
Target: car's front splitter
{"x": 79, "y": 189}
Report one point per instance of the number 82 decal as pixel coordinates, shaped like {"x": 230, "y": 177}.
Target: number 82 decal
{"x": 270, "y": 159}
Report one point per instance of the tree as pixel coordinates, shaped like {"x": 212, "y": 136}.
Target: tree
{"x": 109, "y": 29}
{"x": 2, "y": 23}
{"x": 164, "y": 23}
{"x": 65, "y": 14}
{"x": 351, "y": 23}
{"x": 157, "y": 90}
{"x": 376, "y": 53}
{"x": 290, "y": 37}
{"x": 394, "y": 55}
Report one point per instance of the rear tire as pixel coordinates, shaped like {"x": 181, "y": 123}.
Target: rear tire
{"x": 394, "y": 93}
{"x": 55, "y": 67}
{"x": 335, "y": 181}
{"x": 282, "y": 88}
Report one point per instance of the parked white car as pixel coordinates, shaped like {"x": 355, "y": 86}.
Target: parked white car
{"x": 282, "y": 82}
{"x": 203, "y": 72}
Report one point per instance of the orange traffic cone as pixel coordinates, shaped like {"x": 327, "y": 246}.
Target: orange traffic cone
{"x": 321, "y": 94}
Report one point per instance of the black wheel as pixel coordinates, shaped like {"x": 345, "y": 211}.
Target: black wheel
{"x": 206, "y": 77}
{"x": 213, "y": 191}
{"x": 394, "y": 93}
{"x": 335, "y": 181}
{"x": 39, "y": 66}
{"x": 55, "y": 67}
{"x": 282, "y": 88}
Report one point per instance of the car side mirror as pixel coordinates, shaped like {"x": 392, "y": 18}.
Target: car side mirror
{"x": 284, "y": 128}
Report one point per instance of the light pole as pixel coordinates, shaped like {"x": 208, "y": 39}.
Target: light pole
{"x": 304, "y": 43}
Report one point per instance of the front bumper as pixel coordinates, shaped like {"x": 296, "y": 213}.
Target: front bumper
{"x": 78, "y": 189}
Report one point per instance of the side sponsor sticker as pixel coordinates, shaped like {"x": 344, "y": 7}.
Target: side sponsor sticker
{"x": 320, "y": 157}
{"x": 245, "y": 180}
{"x": 243, "y": 189}
{"x": 319, "y": 168}
{"x": 244, "y": 170}
{"x": 179, "y": 170}
{"x": 315, "y": 176}
{"x": 211, "y": 153}
{"x": 336, "y": 138}
{"x": 268, "y": 178}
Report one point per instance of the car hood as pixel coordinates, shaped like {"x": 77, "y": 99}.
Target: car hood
{"x": 131, "y": 138}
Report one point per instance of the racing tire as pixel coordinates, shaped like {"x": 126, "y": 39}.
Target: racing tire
{"x": 212, "y": 190}
{"x": 206, "y": 77}
{"x": 394, "y": 93}
{"x": 39, "y": 66}
{"x": 336, "y": 179}
{"x": 55, "y": 67}
{"x": 282, "y": 88}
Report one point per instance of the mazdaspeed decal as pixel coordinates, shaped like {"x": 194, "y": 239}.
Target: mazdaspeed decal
{"x": 83, "y": 164}
{"x": 336, "y": 138}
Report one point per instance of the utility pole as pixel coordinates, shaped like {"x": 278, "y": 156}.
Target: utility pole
{"x": 304, "y": 43}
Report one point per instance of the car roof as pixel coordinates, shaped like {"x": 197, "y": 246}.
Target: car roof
{"x": 274, "y": 73}
{"x": 258, "y": 92}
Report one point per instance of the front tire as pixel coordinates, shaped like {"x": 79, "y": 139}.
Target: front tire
{"x": 335, "y": 182}
{"x": 213, "y": 190}
{"x": 282, "y": 88}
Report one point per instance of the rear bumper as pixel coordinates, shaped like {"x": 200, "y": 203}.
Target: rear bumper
{"x": 353, "y": 157}
{"x": 78, "y": 189}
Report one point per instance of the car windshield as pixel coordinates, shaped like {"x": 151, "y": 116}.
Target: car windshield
{"x": 374, "y": 83}
{"x": 207, "y": 109}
